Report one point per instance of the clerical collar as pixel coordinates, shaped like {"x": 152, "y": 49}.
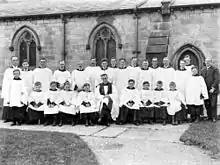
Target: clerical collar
{"x": 80, "y": 69}
{"x": 146, "y": 89}
{"x": 131, "y": 88}
{"x": 12, "y": 66}
{"x": 172, "y": 89}
{"x": 156, "y": 89}
{"x": 62, "y": 70}
{"x": 166, "y": 67}
{"x": 189, "y": 65}
{"x": 196, "y": 75}
{"x": 104, "y": 69}
{"x": 17, "y": 78}
{"x": 155, "y": 67}
{"x": 38, "y": 90}
{"x": 182, "y": 69}
{"x": 25, "y": 69}
{"x": 145, "y": 69}
{"x": 42, "y": 67}
{"x": 113, "y": 67}
{"x": 53, "y": 89}
{"x": 69, "y": 90}
{"x": 122, "y": 67}
{"x": 106, "y": 84}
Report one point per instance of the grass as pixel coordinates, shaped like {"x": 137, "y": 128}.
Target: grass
{"x": 204, "y": 134}
{"x": 43, "y": 148}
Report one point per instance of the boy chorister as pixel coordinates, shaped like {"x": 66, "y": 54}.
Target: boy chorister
{"x": 52, "y": 101}
{"x": 87, "y": 104}
{"x": 17, "y": 98}
{"x": 36, "y": 103}
{"x": 160, "y": 102}
{"x": 67, "y": 108}
{"x": 147, "y": 108}
{"x": 174, "y": 100}
{"x": 129, "y": 103}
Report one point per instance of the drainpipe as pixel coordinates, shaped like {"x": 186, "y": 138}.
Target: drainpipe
{"x": 64, "y": 21}
{"x": 137, "y": 17}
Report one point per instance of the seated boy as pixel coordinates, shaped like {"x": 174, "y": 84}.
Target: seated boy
{"x": 147, "y": 108}
{"x": 174, "y": 101}
{"x": 67, "y": 107}
{"x": 87, "y": 104}
{"x": 36, "y": 102}
{"x": 52, "y": 101}
{"x": 160, "y": 102}
{"x": 129, "y": 103}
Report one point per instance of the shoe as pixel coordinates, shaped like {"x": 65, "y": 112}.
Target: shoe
{"x": 151, "y": 122}
{"x": 19, "y": 123}
{"x": 5, "y": 121}
{"x": 91, "y": 123}
{"x": 108, "y": 124}
{"x": 73, "y": 123}
{"x": 99, "y": 120}
{"x": 136, "y": 123}
{"x": 60, "y": 124}
{"x": 87, "y": 124}
{"x": 164, "y": 122}
{"x": 46, "y": 124}
{"x": 213, "y": 120}
{"x": 54, "y": 123}
{"x": 13, "y": 124}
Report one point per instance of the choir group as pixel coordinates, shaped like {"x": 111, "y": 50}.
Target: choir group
{"x": 103, "y": 94}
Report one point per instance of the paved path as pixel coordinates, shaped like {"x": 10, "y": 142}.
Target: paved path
{"x": 131, "y": 145}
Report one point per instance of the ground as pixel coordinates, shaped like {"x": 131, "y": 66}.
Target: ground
{"x": 131, "y": 145}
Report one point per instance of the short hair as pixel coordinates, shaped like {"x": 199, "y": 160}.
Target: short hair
{"x": 104, "y": 60}
{"x": 133, "y": 58}
{"x": 113, "y": 58}
{"x": 86, "y": 84}
{"x": 166, "y": 58}
{"x": 43, "y": 59}
{"x": 182, "y": 61}
{"x": 145, "y": 60}
{"x": 154, "y": 59}
{"x": 61, "y": 61}
{"x": 15, "y": 70}
{"x": 146, "y": 83}
{"x": 160, "y": 82}
{"x": 104, "y": 74}
{"x": 38, "y": 83}
{"x": 131, "y": 80}
{"x": 194, "y": 67}
{"x": 53, "y": 82}
{"x": 172, "y": 84}
{"x": 14, "y": 57}
{"x": 25, "y": 60}
{"x": 67, "y": 82}
{"x": 122, "y": 59}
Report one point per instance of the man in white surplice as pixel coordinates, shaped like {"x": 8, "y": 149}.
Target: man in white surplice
{"x": 107, "y": 96}
{"x": 156, "y": 73}
{"x": 134, "y": 71}
{"x": 43, "y": 74}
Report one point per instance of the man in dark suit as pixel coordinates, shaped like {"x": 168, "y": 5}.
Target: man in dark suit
{"x": 212, "y": 78}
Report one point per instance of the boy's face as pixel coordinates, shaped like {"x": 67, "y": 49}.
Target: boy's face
{"x": 53, "y": 86}
{"x": 93, "y": 62}
{"x": 131, "y": 84}
{"x": 122, "y": 63}
{"x": 145, "y": 64}
{"x": 172, "y": 87}
{"x": 43, "y": 63}
{"x": 104, "y": 78}
{"x": 182, "y": 64}
{"x": 25, "y": 65}
{"x": 37, "y": 87}
{"x": 166, "y": 62}
{"x": 113, "y": 62}
{"x": 62, "y": 65}
{"x": 104, "y": 65}
{"x": 134, "y": 62}
{"x": 194, "y": 71}
{"x": 154, "y": 63}
{"x": 86, "y": 88}
{"x": 67, "y": 87}
{"x": 14, "y": 61}
{"x": 16, "y": 74}
{"x": 159, "y": 86}
{"x": 146, "y": 86}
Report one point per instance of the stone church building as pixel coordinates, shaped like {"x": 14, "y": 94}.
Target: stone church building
{"x": 76, "y": 30}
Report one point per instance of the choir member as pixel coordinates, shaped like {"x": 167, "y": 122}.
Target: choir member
{"x": 156, "y": 73}
{"x": 159, "y": 101}
{"x": 79, "y": 77}
{"x": 43, "y": 74}
{"x": 167, "y": 74}
{"x": 122, "y": 76}
{"x": 147, "y": 108}
{"x": 212, "y": 78}
{"x": 27, "y": 76}
{"x": 7, "y": 77}
{"x": 107, "y": 96}
{"x": 93, "y": 73}
{"x": 106, "y": 70}
{"x": 129, "y": 103}
{"x": 17, "y": 98}
{"x": 68, "y": 104}
{"x": 134, "y": 71}
{"x": 188, "y": 63}
{"x": 196, "y": 92}
{"x": 87, "y": 104}
{"x": 113, "y": 63}
{"x": 51, "y": 110}
{"x": 174, "y": 101}
{"x": 36, "y": 104}
{"x": 61, "y": 75}
{"x": 145, "y": 74}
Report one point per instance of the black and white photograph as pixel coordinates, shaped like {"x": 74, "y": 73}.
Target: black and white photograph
{"x": 110, "y": 82}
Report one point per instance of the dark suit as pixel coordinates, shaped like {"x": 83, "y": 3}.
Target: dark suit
{"x": 212, "y": 78}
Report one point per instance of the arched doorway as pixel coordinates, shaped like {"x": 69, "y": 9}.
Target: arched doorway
{"x": 195, "y": 54}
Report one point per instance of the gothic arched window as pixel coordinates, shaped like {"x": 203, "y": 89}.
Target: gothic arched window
{"x": 27, "y": 48}
{"x": 104, "y": 45}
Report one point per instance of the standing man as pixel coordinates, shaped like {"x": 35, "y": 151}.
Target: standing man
{"x": 79, "y": 76}
{"x": 167, "y": 74}
{"x": 211, "y": 76}
{"x": 27, "y": 76}
{"x": 62, "y": 75}
{"x": 107, "y": 96}
{"x": 43, "y": 75}
{"x": 93, "y": 72}
{"x": 188, "y": 63}
{"x": 134, "y": 70}
{"x": 156, "y": 70}
{"x": 7, "y": 78}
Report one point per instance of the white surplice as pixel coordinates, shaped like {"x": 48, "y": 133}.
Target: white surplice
{"x": 37, "y": 97}
{"x": 69, "y": 97}
{"x": 79, "y": 78}
{"x": 43, "y": 75}
{"x": 145, "y": 96}
{"x": 195, "y": 88}
{"x": 156, "y": 76}
{"x": 134, "y": 73}
{"x": 111, "y": 75}
{"x": 93, "y": 76}
{"x": 102, "y": 99}
{"x": 27, "y": 76}
{"x": 121, "y": 79}
{"x": 88, "y": 97}
{"x": 53, "y": 96}
{"x": 62, "y": 76}
{"x": 130, "y": 95}
{"x": 167, "y": 76}
{"x": 145, "y": 75}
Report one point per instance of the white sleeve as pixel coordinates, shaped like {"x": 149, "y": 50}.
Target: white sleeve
{"x": 204, "y": 89}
